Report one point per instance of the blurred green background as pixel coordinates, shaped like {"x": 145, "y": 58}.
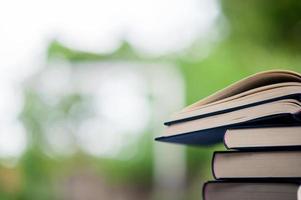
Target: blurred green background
{"x": 90, "y": 117}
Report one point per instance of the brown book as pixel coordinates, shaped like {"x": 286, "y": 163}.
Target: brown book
{"x": 251, "y": 191}
{"x": 266, "y": 98}
{"x": 269, "y": 137}
{"x": 257, "y": 165}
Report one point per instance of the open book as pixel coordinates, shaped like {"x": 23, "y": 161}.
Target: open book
{"x": 270, "y": 98}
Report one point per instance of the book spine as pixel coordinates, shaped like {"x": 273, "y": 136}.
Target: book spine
{"x": 204, "y": 190}
{"x": 225, "y": 140}
{"x": 212, "y": 166}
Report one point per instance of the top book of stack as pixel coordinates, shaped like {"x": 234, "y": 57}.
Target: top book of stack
{"x": 267, "y": 99}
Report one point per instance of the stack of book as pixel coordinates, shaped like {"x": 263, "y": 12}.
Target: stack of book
{"x": 265, "y": 166}
{"x": 259, "y": 121}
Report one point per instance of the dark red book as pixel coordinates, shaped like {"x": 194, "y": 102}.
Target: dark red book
{"x": 251, "y": 191}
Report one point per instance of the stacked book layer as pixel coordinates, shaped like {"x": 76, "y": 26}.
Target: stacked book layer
{"x": 259, "y": 121}
{"x": 261, "y": 164}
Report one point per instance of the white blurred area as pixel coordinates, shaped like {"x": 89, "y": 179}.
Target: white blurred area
{"x": 125, "y": 99}
{"x": 154, "y": 27}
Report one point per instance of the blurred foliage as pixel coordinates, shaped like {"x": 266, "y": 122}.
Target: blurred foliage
{"x": 258, "y": 35}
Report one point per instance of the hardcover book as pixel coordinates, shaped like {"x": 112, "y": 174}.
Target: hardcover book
{"x": 263, "y": 138}
{"x": 256, "y": 165}
{"x": 216, "y": 190}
